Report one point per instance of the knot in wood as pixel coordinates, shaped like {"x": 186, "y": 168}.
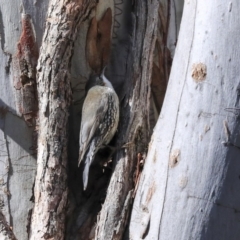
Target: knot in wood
{"x": 199, "y": 72}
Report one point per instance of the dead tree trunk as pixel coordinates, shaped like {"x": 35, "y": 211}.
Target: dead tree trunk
{"x": 189, "y": 185}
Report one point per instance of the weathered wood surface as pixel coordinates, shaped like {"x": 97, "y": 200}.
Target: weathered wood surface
{"x": 189, "y": 185}
{"x": 17, "y": 156}
{"x": 63, "y": 20}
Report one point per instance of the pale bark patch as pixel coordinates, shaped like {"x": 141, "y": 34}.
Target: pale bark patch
{"x": 199, "y": 72}
{"x": 174, "y": 158}
{"x": 183, "y": 180}
{"x": 150, "y": 193}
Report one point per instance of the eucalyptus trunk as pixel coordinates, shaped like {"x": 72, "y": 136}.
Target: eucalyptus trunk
{"x": 189, "y": 184}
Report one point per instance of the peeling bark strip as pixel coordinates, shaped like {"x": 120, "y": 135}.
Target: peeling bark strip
{"x": 98, "y": 43}
{"x": 24, "y": 71}
{"x": 6, "y": 232}
{"x": 63, "y": 19}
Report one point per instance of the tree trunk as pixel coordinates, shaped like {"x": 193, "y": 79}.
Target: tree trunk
{"x": 54, "y": 91}
{"x": 189, "y": 185}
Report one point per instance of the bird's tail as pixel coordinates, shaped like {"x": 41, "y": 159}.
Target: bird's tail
{"x": 82, "y": 152}
{"x": 87, "y": 163}
{"x": 103, "y": 71}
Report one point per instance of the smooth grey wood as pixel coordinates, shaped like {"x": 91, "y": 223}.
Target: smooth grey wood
{"x": 17, "y": 159}
{"x": 190, "y": 182}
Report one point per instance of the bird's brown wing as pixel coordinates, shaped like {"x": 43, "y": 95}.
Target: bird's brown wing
{"x": 95, "y": 107}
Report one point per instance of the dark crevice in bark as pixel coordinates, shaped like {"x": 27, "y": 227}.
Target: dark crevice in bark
{"x": 87, "y": 205}
{"x": 5, "y": 229}
{"x": 9, "y": 173}
{"x": 2, "y": 33}
{"x": 3, "y": 113}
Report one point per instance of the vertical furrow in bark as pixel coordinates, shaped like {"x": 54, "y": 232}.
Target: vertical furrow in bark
{"x": 63, "y": 19}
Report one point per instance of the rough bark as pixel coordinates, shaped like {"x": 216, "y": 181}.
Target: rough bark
{"x": 63, "y": 20}
{"x": 135, "y": 125}
{"x": 189, "y": 184}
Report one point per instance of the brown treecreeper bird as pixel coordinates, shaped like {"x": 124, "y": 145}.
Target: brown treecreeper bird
{"x": 100, "y": 116}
